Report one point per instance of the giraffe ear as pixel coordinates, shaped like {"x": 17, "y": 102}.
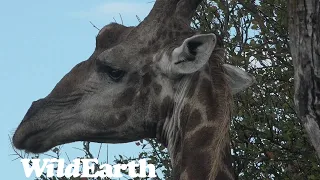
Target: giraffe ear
{"x": 193, "y": 54}
{"x": 238, "y": 79}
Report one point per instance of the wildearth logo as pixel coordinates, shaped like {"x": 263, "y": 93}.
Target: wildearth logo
{"x": 87, "y": 166}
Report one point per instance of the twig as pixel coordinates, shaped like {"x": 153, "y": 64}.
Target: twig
{"x": 121, "y": 18}
{"x": 86, "y": 148}
{"x": 107, "y": 153}
{"x": 14, "y": 149}
{"x": 138, "y": 18}
{"x": 114, "y": 20}
{"x": 78, "y": 149}
{"x": 18, "y": 154}
{"x": 99, "y": 150}
{"x": 94, "y": 25}
{"x": 67, "y": 157}
{"x": 50, "y": 155}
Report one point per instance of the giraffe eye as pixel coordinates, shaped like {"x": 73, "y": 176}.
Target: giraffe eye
{"x": 114, "y": 74}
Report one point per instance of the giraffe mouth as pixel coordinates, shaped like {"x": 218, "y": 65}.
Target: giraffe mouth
{"x": 30, "y": 142}
{"x": 42, "y": 140}
{"x": 38, "y": 140}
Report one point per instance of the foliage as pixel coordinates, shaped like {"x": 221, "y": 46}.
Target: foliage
{"x": 268, "y": 140}
{"x": 155, "y": 153}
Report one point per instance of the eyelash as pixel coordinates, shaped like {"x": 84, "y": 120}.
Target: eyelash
{"x": 115, "y": 74}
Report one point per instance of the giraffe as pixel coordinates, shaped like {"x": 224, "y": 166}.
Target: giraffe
{"x": 159, "y": 80}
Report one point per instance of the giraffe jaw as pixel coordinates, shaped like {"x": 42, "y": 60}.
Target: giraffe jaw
{"x": 32, "y": 143}
{"x": 42, "y": 140}
{"x": 39, "y": 140}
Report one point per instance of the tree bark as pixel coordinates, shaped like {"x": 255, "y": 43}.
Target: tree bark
{"x": 304, "y": 33}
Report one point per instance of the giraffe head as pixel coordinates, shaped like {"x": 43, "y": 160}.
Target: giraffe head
{"x": 120, "y": 94}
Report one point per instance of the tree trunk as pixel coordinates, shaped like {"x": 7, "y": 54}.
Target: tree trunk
{"x": 304, "y": 32}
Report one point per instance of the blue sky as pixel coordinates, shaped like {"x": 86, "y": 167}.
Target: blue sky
{"x": 40, "y": 41}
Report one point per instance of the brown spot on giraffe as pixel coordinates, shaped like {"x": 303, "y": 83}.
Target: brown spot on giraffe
{"x": 207, "y": 91}
{"x": 194, "y": 120}
{"x": 202, "y": 138}
{"x": 144, "y": 96}
{"x": 184, "y": 114}
{"x": 227, "y": 160}
{"x": 208, "y": 99}
{"x": 146, "y": 78}
{"x": 201, "y": 163}
{"x": 146, "y": 68}
{"x": 125, "y": 98}
{"x": 133, "y": 78}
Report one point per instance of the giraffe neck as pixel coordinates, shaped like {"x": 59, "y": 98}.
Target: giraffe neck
{"x": 197, "y": 133}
